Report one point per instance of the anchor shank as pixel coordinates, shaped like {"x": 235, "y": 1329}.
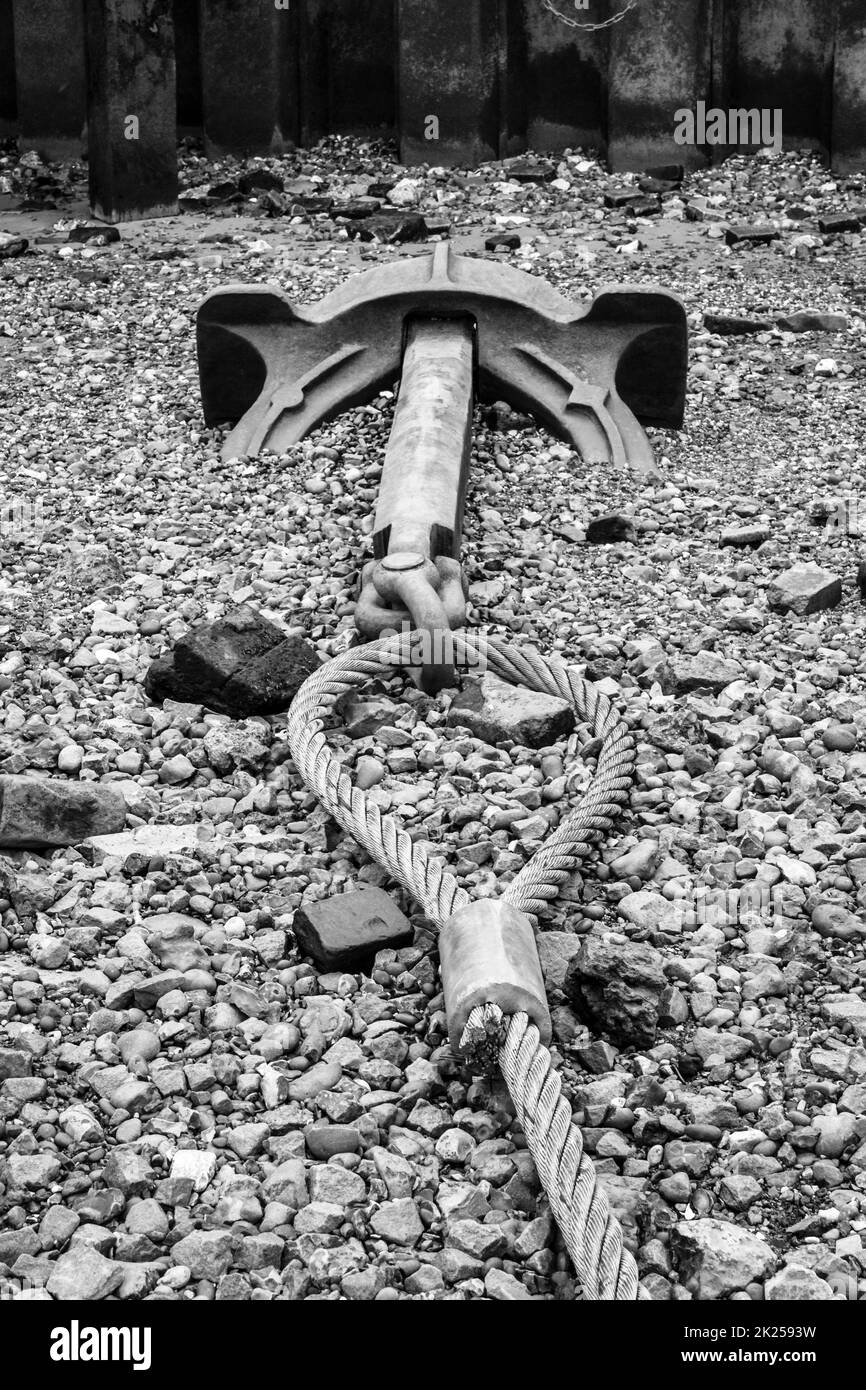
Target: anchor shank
{"x": 423, "y": 485}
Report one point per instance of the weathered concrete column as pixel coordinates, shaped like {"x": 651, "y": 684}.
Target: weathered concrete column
{"x": 563, "y": 79}
{"x": 449, "y": 64}
{"x": 347, "y": 71}
{"x": 131, "y": 108}
{"x": 249, "y": 75}
{"x": 659, "y": 64}
{"x": 849, "y": 89}
{"x": 784, "y": 61}
{"x": 50, "y": 77}
{"x": 8, "y": 95}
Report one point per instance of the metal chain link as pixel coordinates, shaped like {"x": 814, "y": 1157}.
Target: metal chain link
{"x": 589, "y": 27}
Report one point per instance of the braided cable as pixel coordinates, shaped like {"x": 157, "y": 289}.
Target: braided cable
{"x": 591, "y": 1232}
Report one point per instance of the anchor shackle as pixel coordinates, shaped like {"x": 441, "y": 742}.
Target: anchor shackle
{"x": 419, "y": 515}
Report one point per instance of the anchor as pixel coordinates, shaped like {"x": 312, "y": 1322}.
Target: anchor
{"x": 454, "y": 330}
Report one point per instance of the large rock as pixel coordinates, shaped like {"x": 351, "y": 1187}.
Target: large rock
{"x": 805, "y": 589}
{"x": 143, "y": 843}
{"x": 705, "y": 671}
{"x": 14, "y": 1061}
{"x": 498, "y": 713}
{"x": 831, "y": 919}
{"x": 794, "y": 1283}
{"x": 611, "y": 529}
{"x": 206, "y": 1254}
{"x": 82, "y": 1274}
{"x": 616, "y": 987}
{"x": 240, "y": 665}
{"x": 813, "y": 320}
{"x": 648, "y": 911}
{"x": 717, "y": 1258}
{"x": 54, "y": 811}
{"x": 173, "y": 941}
{"x": 344, "y": 932}
{"x": 556, "y": 950}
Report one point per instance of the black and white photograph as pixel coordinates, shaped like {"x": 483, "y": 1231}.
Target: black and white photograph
{"x": 432, "y": 674}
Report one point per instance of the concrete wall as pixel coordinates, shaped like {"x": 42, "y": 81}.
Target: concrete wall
{"x": 50, "y": 76}
{"x": 8, "y": 94}
{"x": 498, "y": 75}
{"x": 784, "y": 59}
{"x": 659, "y": 63}
{"x": 849, "y": 88}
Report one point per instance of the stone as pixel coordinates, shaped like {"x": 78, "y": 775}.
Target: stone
{"x": 390, "y": 226}
{"x": 142, "y": 844}
{"x": 344, "y": 932}
{"x": 172, "y": 942}
{"x": 48, "y": 952}
{"x": 716, "y": 1258}
{"x": 223, "y": 665}
{"x": 611, "y": 529}
{"x": 14, "y": 1062}
{"x": 270, "y": 683}
{"x": 556, "y": 950}
{"x": 813, "y": 320}
{"x": 744, "y": 537}
{"x": 398, "y": 1222}
{"x": 710, "y": 1042}
{"x": 476, "y": 1238}
{"x": 141, "y": 1044}
{"x": 835, "y": 1133}
{"x": 502, "y": 241}
{"x": 230, "y": 746}
{"x": 206, "y": 1254}
{"x": 14, "y": 1244}
{"x": 738, "y": 1191}
{"x": 733, "y": 326}
{"x": 497, "y": 712}
{"x": 704, "y": 671}
{"x": 57, "y": 1226}
{"x": 795, "y": 1284}
{"x": 199, "y": 1165}
{"x": 637, "y": 862}
{"x": 38, "y": 811}
{"x": 129, "y": 1171}
{"x": 322, "y": 1076}
{"x": 176, "y": 770}
{"x": 805, "y": 589}
{"x": 82, "y": 1274}
{"x": 331, "y": 1182}
{"x": 833, "y": 920}
{"x": 503, "y": 1287}
{"x": 615, "y": 987}
{"x": 248, "y": 1140}
{"x": 93, "y": 232}
{"x": 319, "y": 1218}
{"x": 287, "y": 1183}
{"x": 34, "y": 1171}
{"x": 325, "y": 1141}
{"x": 752, "y": 236}
{"x": 648, "y": 911}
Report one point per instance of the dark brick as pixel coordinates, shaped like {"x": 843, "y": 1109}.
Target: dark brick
{"x": 345, "y": 932}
